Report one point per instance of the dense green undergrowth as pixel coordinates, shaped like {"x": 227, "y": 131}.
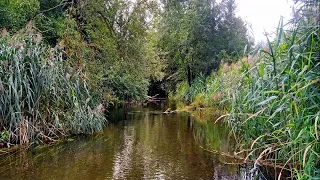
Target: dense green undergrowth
{"x": 272, "y": 100}
{"x": 275, "y": 110}
{"x": 73, "y": 59}
{"x": 42, "y": 97}
{"x": 104, "y": 52}
{"x": 96, "y": 53}
{"x": 213, "y": 90}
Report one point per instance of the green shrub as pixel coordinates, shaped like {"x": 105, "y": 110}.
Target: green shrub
{"x": 15, "y": 14}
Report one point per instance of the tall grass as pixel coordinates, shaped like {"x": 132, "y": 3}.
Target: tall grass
{"x": 275, "y": 110}
{"x": 273, "y": 101}
{"x": 41, "y": 96}
{"x": 213, "y": 90}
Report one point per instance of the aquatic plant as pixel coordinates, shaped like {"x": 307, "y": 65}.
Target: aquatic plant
{"x": 275, "y": 110}
{"x": 42, "y": 97}
{"x": 273, "y": 97}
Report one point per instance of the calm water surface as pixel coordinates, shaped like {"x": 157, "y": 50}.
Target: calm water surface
{"x": 143, "y": 144}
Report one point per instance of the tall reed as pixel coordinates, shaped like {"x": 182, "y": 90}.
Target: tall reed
{"x": 275, "y": 110}
{"x": 41, "y": 96}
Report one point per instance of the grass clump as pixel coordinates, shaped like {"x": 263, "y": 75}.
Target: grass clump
{"x": 275, "y": 110}
{"x": 42, "y": 97}
{"x": 273, "y": 102}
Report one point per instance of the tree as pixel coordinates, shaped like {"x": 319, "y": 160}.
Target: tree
{"x": 193, "y": 32}
{"x": 14, "y": 14}
{"x": 122, "y": 34}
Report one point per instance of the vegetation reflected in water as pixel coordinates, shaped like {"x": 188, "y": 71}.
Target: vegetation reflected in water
{"x": 144, "y": 143}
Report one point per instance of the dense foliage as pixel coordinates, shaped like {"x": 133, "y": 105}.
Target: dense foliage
{"x": 113, "y": 41}
{"x": 281, "y": 99}
{"x": 196, "y": 35}
{"x": 272, "y": 99}
{"x": 63, "y": 61}
{"x": 41, "y": 96}
{"x": 104, "y": 52}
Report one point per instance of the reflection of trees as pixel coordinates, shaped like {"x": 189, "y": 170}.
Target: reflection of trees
{"x": 213, "y": 136}
{"x": 122, "y": 160}
{"x": 146, "y": 145}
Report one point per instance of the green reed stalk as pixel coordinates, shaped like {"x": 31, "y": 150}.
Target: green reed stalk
{"x": 41, "y": 96}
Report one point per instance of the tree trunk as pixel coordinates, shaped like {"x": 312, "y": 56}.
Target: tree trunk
{"x": 189, "y": 75}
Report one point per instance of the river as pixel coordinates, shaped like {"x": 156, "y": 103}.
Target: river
{"x": 141, "y": 143}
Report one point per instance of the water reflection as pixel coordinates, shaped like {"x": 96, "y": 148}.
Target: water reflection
{"x": 122, "y": 159}
{"x": 144, "y": 144}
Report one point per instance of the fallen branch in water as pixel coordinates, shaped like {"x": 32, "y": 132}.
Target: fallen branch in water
{"x": 154, "y": 98}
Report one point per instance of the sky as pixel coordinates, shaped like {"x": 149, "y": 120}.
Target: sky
{"x": 264, "y": 15}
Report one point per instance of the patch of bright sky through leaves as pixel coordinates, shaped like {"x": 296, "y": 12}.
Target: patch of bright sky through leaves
{"x": 264, "y": 15}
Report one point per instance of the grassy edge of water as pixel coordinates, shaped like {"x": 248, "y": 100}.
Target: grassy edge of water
{"x": 43, "y": 97}
{"x": 272, "y": 102}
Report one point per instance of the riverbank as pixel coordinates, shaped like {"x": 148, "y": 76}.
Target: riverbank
{"x": 271, "y": 101}
{"x": 142, "y": 143}
{"x": 42, "y": 97}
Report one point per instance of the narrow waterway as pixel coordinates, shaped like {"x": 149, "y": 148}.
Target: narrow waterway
{"x": 143, "y": 143}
